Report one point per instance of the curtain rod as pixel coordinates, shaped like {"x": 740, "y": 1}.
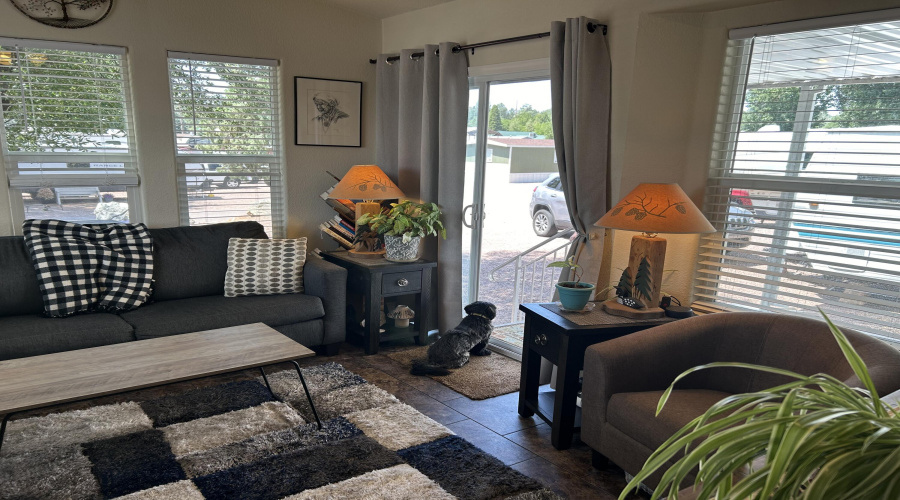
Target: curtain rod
{"x": 472, "y": 46}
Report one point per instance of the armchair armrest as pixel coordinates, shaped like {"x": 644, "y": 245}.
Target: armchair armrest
{"x": 328, "y": 282}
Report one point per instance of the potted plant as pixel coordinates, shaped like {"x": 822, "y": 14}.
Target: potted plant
{"x": 573, "y": 295}
{"x": 814, "y": 437}
{"x": 404, "y": 226}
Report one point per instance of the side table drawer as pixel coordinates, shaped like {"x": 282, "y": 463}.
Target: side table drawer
{"x": 545, "y": 344}
{"x": 409, "y": 281}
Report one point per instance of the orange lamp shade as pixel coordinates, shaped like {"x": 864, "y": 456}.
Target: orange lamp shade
{"x": 366, "y": 182}
{"x": 657, "y": 208}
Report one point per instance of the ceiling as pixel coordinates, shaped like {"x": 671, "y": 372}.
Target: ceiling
{"x": 381, "y": 9}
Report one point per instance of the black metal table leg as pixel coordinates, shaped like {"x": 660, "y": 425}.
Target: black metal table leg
{"x": 266, "y": 380}
{"x": 305, "y": 389}
{"x": 308, "y": 396}
{"x": 3, "y": 428}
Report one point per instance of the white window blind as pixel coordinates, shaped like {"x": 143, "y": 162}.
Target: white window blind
{"x": 228, "y": 139}
{"x": 805, "y": 178}
{"x": 66, "y": 134}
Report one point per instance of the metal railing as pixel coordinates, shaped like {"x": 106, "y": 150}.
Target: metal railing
{"x": 533, "y": 280}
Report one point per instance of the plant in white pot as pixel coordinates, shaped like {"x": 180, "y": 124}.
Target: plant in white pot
{"x": 812, "y": 438}
{"x": 404, "y": 226}
{"x": 573, "y": 295}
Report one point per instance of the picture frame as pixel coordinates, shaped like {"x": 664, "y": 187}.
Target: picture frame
{"x": 327, "y": 112}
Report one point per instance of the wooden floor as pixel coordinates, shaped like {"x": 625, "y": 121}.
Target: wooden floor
{"x": 493, "y": 425}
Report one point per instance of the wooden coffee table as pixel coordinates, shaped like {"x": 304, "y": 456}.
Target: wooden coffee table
{"x": 41, "y": 381}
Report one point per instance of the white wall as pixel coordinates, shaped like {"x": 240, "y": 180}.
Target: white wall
{"x": 308, "y": 38}
{"x": 667, "y": 59}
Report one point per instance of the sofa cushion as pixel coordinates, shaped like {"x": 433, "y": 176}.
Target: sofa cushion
{"x": 206, "y": 313}
{"x": 33, "y": 335}
{"x": 19, "y": 289}
{"x": 190, "y": 261}
{"x": 634, "y": 413}
{"x": 264, "y": 267}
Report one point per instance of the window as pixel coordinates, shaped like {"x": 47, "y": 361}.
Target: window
{"x": 66, "y": 134}
{"x": 805, "y": 177}
{"x": 228, "y": 139}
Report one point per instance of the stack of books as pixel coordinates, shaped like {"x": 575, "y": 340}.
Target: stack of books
{"x": 342, "y": 227}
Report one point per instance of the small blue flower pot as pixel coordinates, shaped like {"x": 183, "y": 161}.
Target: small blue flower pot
{"x": 574, "y": 296}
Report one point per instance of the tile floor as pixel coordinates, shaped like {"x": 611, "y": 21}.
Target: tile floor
{"x": 493, "y": 425}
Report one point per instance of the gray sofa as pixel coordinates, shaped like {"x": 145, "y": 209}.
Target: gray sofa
{"x": 625, "y": 377}
{"x": 189, "y": 277}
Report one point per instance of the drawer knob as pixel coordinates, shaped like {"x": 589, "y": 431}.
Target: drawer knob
{"x": 402, "y": 282}
{"x": 540, "y": 339}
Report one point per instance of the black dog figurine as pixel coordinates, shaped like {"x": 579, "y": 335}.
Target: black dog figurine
{"x": 453, "y": 348}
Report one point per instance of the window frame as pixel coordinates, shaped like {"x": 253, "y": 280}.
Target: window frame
{"x": 130, "y": 178}
{"x": 724, "y": 178}
{"x": 276, "y": 176}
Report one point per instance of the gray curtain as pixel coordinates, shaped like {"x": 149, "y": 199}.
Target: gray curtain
{"x": 580, "y": 86}
{"x": 422, "y": 110}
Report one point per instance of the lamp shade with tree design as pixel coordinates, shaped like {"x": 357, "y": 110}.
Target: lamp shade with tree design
{"x": 653, "y": 209}
{"x": 369, "y": 184}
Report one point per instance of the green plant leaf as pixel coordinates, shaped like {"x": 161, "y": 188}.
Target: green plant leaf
{"x": 407, "y": 217}
{"x": 856, "y": 362}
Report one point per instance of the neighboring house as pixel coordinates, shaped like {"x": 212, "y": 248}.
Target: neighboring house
{"x": 496, "y": 152}
{"x": 517, "y": 135}
{"x": 530, "y": 160}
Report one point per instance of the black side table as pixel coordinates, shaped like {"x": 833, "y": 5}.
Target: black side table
{"x": 562, "y": 341}
{"x": 375, "y": 279}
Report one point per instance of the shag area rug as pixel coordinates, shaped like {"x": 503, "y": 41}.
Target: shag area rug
{"x": 482, "y": 377}
{"x": 235, "y": 441}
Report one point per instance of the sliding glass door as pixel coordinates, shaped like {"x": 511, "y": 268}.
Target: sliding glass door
{"x": 515, "y": 216}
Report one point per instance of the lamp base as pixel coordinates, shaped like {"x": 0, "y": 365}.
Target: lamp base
{"x": 367, "y": 207}
{"x": 653, "y": 249}
{"x": 616, "y": 309}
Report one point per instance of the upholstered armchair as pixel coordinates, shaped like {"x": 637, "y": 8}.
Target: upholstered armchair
{"x": 625, "y": 377}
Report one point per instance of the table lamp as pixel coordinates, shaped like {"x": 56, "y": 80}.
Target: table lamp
{"x": 369, "y": 184}
{"x": 651, "y": 209}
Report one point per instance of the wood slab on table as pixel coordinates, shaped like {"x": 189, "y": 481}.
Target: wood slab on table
{"x": 39, "y": 381}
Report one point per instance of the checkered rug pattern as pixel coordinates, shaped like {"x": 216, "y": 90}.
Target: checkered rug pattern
{"x": 80, "y": 268}
{"x": 234, "y": 440}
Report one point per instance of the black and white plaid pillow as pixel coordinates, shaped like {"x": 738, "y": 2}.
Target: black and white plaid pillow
{"x": 105, "y": 267}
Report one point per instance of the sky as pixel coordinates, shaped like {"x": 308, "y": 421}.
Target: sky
{"x": 514, "y": 95}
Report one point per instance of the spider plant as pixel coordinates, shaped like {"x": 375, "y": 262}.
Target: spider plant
{"x": 812, "y": 438}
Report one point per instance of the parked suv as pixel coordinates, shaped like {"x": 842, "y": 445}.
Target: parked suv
{"x": 197, "y": 178}
{"x": 549, "y": 213}
{"x": 226, "y": 181}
